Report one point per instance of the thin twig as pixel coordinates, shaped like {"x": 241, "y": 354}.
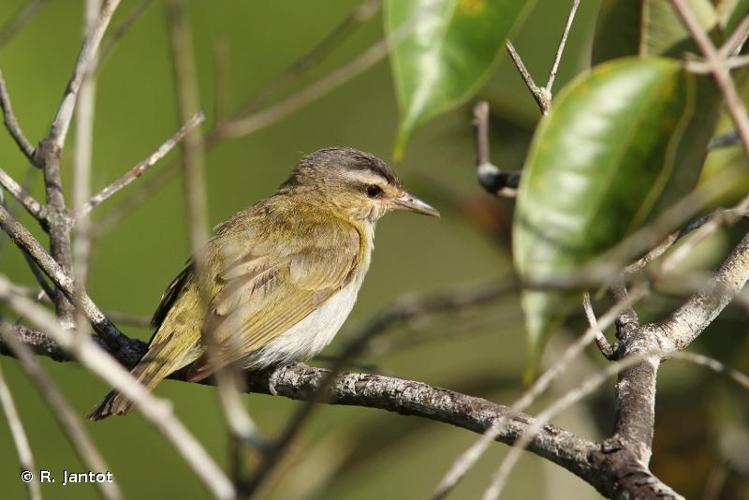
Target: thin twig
{"x": 332, "y": 40}
{"x": 119, "y": 31}
{"x": 245, "y": 125}
{"x": 537, "y": 92}
{"x": 733, "y": 45}
{"x": 82, "y": 154}
{"x": 490, "y": 177}
{"x": 27, "y": 201}
{"x": 65, "y": 415}
{"x": 717, "y": 220}
{"x": 601, "y": 341}
{"x": 560, "y": 49}
{"x": 11, "y": 122}
{"x": 129, "y": 319}
{"x": 141, "y": 167}
{"x": 156, "y": 411}
{"x": 21, "y": 442}
{"x": 83, "y": 65}
{"x": 543, "y": 95}
{"x": 713, "y": 364}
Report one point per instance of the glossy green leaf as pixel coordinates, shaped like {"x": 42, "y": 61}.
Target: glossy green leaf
{"x": 598, "y": 164}
{"x": 646, "y": 28}
{"x": 444, "y": 50}
{"x": 652, "y": 28}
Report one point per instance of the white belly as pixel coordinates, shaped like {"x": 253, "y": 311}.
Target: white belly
{"x": 311, "y": 335}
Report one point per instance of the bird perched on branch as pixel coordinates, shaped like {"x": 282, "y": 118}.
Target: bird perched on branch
{"x": 279, "y": 278}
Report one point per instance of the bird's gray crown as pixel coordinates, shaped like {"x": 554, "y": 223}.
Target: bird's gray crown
{"x": 335, "y": 160}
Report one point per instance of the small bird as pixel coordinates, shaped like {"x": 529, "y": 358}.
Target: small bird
{"x": 282, "y": 275}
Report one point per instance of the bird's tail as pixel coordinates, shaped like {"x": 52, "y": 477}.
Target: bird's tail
{"x": 149, "y": 371}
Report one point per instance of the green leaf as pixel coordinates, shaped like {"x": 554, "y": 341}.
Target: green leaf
{"x": 646, "y": 28}
{"x": 444, "y": 50}
{"x": 597, "y": 165}
{"x": 652, "y": 28}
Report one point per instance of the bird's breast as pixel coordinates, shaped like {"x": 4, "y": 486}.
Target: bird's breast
{"x": 312, "y": 334}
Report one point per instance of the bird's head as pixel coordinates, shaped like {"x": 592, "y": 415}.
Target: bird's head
{"x": 357, "y": 184}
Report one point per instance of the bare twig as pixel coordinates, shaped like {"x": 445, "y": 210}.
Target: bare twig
{"x": 157, "y": 412}
{"x": 65, "y": 415}
{"x": 713, "y": 364}
{"x": 733, "y": 45}
{"x": 82, "y": 154}
{"x": 490, "y": 177}
{"x": 130, "y": 319}
{"x": 27, "y": 201}
{"x": 560, "y": 49}
{"x": 141, "y": 167}
{"x": 245, "y": 125}
{"x": 122, "y": 29}
{"x": 83, "y": 65}
{"x": 543, "y": 95}
{"x": 711, "y": 224}
{"x": 359, "y": 15}
{"x": 537, "y": 92}
{"x": 601, "y": 342}
{"x": 21, "y": 442}
{"x": 11, "y": 122}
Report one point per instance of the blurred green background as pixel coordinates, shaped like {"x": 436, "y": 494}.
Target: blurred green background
{"x": 349, "y": 453}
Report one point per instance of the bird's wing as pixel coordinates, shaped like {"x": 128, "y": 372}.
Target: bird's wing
{"x": 171, "y": 294}
{"x": 272, "y": 286}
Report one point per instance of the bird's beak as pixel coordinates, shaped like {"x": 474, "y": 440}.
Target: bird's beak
{"x": 407, "y": 201}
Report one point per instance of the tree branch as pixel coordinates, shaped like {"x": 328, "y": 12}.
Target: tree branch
{"x": 141, "y": 167}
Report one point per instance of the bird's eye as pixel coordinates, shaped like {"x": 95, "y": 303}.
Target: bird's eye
{"x": 373, "y": 190}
